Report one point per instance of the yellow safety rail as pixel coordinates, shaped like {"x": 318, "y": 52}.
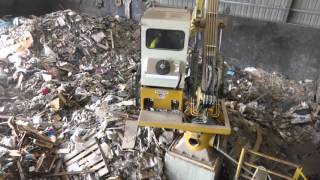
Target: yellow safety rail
{"x": 298, "y": 174}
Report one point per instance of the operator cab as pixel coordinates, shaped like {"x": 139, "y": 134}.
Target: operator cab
{"x": 164, "y": 45}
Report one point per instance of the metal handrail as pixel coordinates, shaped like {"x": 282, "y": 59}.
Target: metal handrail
{"x": 297, "y": 174}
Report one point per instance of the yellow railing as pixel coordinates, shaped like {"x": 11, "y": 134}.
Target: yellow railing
{"x": 298, "y": 174}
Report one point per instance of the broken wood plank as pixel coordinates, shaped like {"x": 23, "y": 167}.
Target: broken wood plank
{"x": 110, "y": 38}
{"x": 86, "y": 159}
{"x": 13, "y": 126}
{"x": 53, "y": 162}
{"x": 81, "y": 155}
{"x": 73, "y": 167}
{"x": 40, "y": 162}
{"x": 74, "y": 153}
{"x": 19, "y": 80}
{"x": 98, "y": 166}
{"x": 62, "y": 151}
{"x": 103, "y": 171}
{"x": 104, "y": 157}
{"x": 93, "y": 163}
{"x": 107, "y": 150}
{"x": 130, "y": 133}
{"x": 17, "y": 118}
{"x": 33, "y": 131}
{"x": 21, "y": 173}
{"x": 114, "y": 178}
{"x": 91, "y": 158}
{"x": 41, "y": 143}
{"x": 70, "y": 173}
{"x": 58, "y": 166}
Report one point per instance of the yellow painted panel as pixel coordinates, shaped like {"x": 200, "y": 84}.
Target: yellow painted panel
{"x": 161, "y": 97}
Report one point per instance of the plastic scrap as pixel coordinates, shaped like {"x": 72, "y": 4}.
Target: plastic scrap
{"x": 59, "y": 90}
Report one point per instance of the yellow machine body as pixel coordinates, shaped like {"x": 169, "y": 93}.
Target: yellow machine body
{"x": 198, "y": 141}
{"x": 170, "y": 100}
{"x": 162, "y": 98}
{"x": 164, "y": 60}
{"x": 172, "y": 120}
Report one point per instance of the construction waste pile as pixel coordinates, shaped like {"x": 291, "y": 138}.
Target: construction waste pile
{"x": 274, "y": 115}
{"x": 66, "y": 91}
{"x": 288, "y": 107}
{"x": 67, "y": 101}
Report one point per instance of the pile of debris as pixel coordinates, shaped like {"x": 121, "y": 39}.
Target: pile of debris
{"x": 65, "y": 96}
{"x": 67, "y": 102}
{"x": 289, "y": 107}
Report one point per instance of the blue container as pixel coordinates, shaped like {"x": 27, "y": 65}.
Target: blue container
{"x": 4, "y": 25}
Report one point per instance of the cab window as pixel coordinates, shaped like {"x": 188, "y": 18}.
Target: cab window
{"x": 165, "y": 39}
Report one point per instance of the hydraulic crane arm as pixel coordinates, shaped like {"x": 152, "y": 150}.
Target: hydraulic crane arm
{"x": 206, "y": 25}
